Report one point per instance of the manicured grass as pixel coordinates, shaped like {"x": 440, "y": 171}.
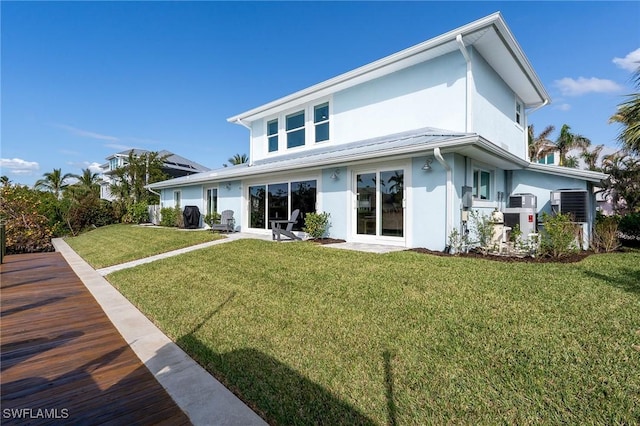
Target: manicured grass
{"x": 307, "y": 334}
{"x": 114, "y": 244}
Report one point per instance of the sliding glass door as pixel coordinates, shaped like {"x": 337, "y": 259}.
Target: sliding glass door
{"x": 379, "y": 201}
{"x": 276, "y": 201}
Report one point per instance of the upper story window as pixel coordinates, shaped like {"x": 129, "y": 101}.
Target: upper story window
{"x": 321, "y": 121}
{"x": 481, "y": 184}
{"x": 113, "y": 163}
{"x": 295, "y": 129}
{"x": 272, "y": 135}
{"x": 549, "y": 159}
{"x": 519, "y": 109}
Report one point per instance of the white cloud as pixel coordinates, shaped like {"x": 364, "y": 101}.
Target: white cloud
{"x": 631, "y": 62}
{"x": 563, "y": 107}
{"x": 119, "y": 147}
{"x": 94, "y": 167}
{"x": 570, "y": 87}
{"x": 86, "y": 133}
{"x": 18, "y": 166}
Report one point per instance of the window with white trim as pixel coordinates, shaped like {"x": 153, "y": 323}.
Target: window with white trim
{"x": 519, "y": 108}
{"x": 272, "y": 135}
{"x": 295, "y": 127}
{"x": 321, "y": 121}
{"x": 177, "y": 195}
{"x": 481, "y": 184}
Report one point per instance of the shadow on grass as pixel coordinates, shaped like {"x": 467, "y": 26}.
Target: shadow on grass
{"x": 272, "y": 389}
{"x": 627, "y": 280}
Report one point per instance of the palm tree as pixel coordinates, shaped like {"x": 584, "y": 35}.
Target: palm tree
{"x": 237, "y": 159}
{"x": 541, "y": 145}
{"x": 591, "y": 158}
{"x": 4, "y": 180}
{"x": 571, "y": 162}
{"x": 54, "y": 182}
{"x": 88, "y": 183}
{"x": 628, "y": 115}
{"x": 568, "y": 141}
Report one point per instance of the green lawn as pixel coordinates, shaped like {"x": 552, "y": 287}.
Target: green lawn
{"x": 312, "y": 335}
{"x": 114, "y": 244}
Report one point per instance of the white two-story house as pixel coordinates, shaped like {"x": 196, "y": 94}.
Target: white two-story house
{"x": 397, "y": 151}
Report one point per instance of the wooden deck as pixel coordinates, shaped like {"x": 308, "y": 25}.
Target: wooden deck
{"x": 60, "y": 354}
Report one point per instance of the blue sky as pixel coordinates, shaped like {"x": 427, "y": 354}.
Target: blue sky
{"x": 82, "y": 80}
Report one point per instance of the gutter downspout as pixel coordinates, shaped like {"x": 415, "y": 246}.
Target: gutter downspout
{"x": 469, "y": 86}
{"x": 531, "y": 111}
{"x": 245, "y": 125}
{"x": 449, "y": 201}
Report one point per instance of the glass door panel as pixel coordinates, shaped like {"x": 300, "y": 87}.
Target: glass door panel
{"x": 366, "y": 199}
{"x": 257, "y": 196}
{"x": 278, "y": 202}
{"x": 392, "y": 196}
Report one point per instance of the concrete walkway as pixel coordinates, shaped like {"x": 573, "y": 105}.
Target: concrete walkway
{"x": 230, "y": 237}
{"x": 205, "y": 400}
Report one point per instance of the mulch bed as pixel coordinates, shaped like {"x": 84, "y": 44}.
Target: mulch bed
{"x": 326, "y": 241}
{"x": 572, "y": 258}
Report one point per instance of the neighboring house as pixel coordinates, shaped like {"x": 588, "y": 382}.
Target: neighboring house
{"x": 174, "y": 166}
{"x": 397, "y": 150}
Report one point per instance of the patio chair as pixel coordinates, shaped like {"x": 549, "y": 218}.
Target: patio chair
{"x": 277, "y": 230}
{"x": 226, "y": 222}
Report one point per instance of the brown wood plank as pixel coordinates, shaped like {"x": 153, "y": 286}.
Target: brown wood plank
{"x": 59, "y": 351}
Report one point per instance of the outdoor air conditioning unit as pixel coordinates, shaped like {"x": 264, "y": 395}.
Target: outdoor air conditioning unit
{"x": 523, "y": 200}
{"x": 524, "y": 217}
{"x": 572, "y": 201}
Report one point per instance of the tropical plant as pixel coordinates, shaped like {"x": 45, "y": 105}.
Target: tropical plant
{"x": 130, "y": 179}
{"x": 4, "y": 180}
{"x": 622, "y": 185}
{"x": 481, "y": 229}
{"x": 605, "y": 234}
{"x": 27, "y": 229}
{"x": 628, "y": 115}
{"x": 591, "y": 158}
{"x": 54, "y": 182}
{"x": 539, "y": 146}
{"x": 237, "y": 159}
{"x": 568, "y": 141}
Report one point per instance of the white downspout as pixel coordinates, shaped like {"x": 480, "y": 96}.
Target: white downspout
{"x": 449, "y": 195}
{"x": 469, "y": 86}
{"x": 243, "y": 124}
{"x": 531, "y": 111}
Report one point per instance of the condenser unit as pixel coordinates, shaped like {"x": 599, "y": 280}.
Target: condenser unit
{"x": 524, "y": 217}
{"x": 571, "y": 201}
{"x": 522, "y": 200}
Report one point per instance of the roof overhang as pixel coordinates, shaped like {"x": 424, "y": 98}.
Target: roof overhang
{"x": 490, "y": 36}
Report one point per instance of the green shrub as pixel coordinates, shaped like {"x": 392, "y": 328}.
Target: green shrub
{"x": 168, "y": 217}
{"x": 316, "y": 224}
{"x": 629, "y": 228}
{"x": 605, "y": 234}
{"x": 481, "y": 229}
{"x": 559, "y": 236}
{"x": 27, "y": 230}
{"x": 138, "y": 213}
{"x": 212, "y": 218}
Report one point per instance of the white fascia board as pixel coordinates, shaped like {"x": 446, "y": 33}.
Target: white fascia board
{"x": 567, "y": 171}
{"x": 522, "y": 59}
{"x": 392, "y": 63}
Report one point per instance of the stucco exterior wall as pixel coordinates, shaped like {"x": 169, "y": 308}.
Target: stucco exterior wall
{"x": 494, "y": 106}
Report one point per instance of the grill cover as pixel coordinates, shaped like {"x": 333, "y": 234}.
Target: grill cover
{"x": 191, "y": 215}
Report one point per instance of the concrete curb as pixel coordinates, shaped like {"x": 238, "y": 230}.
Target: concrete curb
{"x": 205, "y": 400}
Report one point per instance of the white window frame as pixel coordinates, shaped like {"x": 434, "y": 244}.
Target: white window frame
{"x": 476, "y": 190}
{"x": 327, "y": 121}
{"x": 309, "y": 126}
{"x": 518, "y": 113}
{"x": 297, "y": 129}
{"x": 276, "y": 135}
{"x": 177, "y": 201}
